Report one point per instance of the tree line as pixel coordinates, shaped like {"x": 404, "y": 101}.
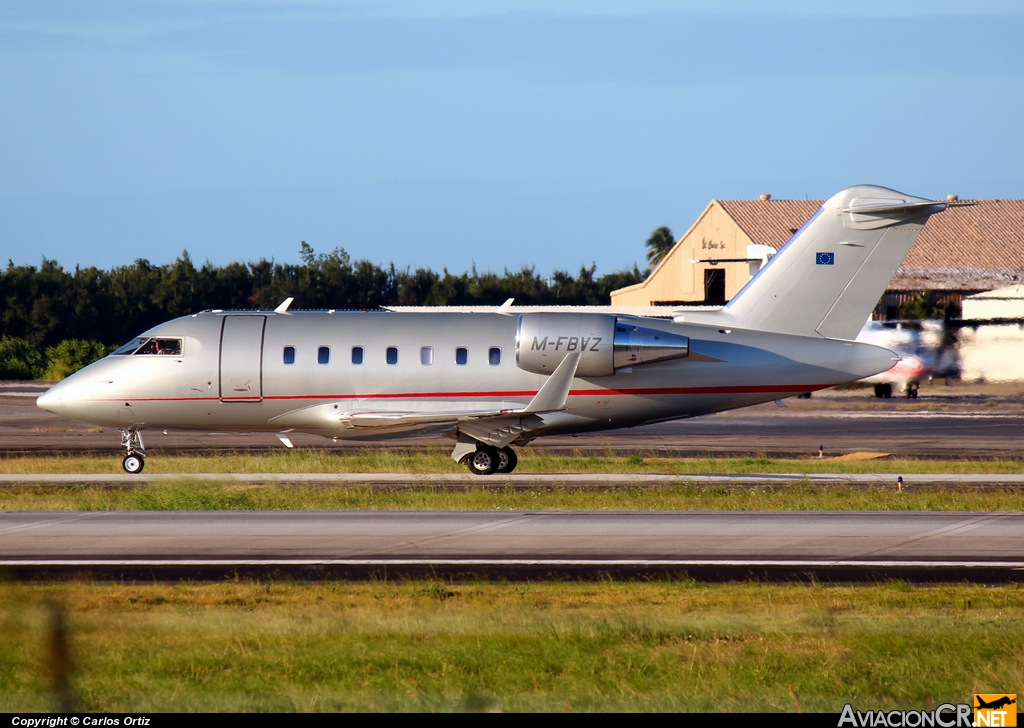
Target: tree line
{"x": 46, "y": 305}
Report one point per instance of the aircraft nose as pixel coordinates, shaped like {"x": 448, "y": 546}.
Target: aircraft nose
{"x": 90, "y": 398}
{"x": 50, "y": 400}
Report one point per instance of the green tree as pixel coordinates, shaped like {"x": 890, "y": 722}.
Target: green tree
{"x": 19, "y": 359}
{"x": 658, "y": 245}
{"x": 414, "y": 289}
{"x": 69, "y": 356}
{"x": 41, "y": 307}
{"x": 619, "y": 279}
{"x": 924, "y": 305}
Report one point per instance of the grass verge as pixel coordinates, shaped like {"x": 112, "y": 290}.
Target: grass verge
{"x": 531, "y": 461}
{"x": 435, "y": 646}
{"x": 185, "y": 495}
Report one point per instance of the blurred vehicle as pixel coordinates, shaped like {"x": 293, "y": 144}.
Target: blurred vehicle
{"x": 912, "y": 341}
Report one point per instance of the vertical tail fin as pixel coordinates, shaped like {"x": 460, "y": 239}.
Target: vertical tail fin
{"x": 827, "y": 279}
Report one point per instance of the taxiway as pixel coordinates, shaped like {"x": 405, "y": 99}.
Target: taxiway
{"x": 958, "y": 421}
{"x": 832, "y": 546}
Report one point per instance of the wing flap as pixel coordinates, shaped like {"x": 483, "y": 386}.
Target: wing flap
{"x": 495, "y": 426}
{"x": 333, "y": 419}
{"x": 500, "y": 431}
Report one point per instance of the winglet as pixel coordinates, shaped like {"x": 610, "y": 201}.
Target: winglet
{"x": 555, "y": 391}
{"x": 283, "y": 306}
{"x": 504, "y": 308}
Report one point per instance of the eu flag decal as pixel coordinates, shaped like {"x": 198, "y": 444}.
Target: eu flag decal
{"x": 825, "y": 259}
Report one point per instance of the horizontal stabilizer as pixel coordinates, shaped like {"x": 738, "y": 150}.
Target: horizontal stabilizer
{"x": 883, "y": 207}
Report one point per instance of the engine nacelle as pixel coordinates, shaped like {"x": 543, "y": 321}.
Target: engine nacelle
{"x": 605, "y": 344}
{"x": 543, "y": 340}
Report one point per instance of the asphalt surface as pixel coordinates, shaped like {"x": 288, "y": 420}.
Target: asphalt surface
{"x": 930, "y": 546}
{"x": 960, "y": 421}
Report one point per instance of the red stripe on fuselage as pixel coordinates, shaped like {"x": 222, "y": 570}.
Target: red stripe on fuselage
{"x": 638, "y": 392}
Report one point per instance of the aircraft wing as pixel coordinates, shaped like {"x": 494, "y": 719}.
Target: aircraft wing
{"x": 492, "y": 422}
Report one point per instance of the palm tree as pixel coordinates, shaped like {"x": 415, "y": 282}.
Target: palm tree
{"x": 658, "y": 245}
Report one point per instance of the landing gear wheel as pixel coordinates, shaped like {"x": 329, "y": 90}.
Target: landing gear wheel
{"x": 483, "y": 461}
{"x": 133, "y": 463}
{"x": 507, "y": 460}
{"x": 134, "y": 460}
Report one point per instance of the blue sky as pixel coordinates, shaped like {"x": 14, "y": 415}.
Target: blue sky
{"x": 497, "y": 134}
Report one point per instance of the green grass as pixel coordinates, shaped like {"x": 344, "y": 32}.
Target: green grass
{"x": 531, "y": 461}
{"x": 434, "y": 646}
{"x": 552, "y": 646}
{"x": 799, "y": 496}
{"x": 185, "y": 493}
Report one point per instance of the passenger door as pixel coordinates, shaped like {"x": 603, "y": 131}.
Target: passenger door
{"x": 241, "y": 358}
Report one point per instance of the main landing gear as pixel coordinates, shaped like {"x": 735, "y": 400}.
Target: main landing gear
{"x": 487, "y": 460}
{"x": 884, "y": 391}
{"x": 135, "y": 460}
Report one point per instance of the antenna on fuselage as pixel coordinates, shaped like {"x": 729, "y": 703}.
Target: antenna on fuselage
{"x": 283, "y": 306}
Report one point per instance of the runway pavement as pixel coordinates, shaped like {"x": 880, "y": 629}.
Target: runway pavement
{"x": 836, "y": 546}
{"x": 960, "y": 421}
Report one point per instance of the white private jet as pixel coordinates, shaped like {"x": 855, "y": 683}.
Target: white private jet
{"x": 493, "y": 380}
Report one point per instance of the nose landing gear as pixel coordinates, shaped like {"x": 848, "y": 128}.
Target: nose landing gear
{"x": 135, "y": 460}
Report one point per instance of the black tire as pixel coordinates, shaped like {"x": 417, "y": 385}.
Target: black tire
{"x": 507, "y": 460}
{"x": 133, "y": 464}
{"x": 483, "y": 461}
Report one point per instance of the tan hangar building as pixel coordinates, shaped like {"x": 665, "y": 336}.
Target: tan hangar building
{"x": 963, "y": 251}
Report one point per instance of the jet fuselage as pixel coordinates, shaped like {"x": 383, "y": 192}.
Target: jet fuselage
{"x": 246, "y": 370}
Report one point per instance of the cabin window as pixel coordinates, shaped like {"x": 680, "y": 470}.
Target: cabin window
{"x": 289, "y": 355}
{"x": 427, "y": 356}
{"x": 357, "y": 355}
{"x": 323, "y": 355}
{"x": 494, "y": 356}
{"x": 461, "y": 356}
{"x": 149, "y": 347}
{"x": 392, "y": 355}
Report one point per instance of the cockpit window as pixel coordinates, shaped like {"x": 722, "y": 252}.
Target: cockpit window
{"x": 130, "y": 348}
{"x": 149, "y": 347}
